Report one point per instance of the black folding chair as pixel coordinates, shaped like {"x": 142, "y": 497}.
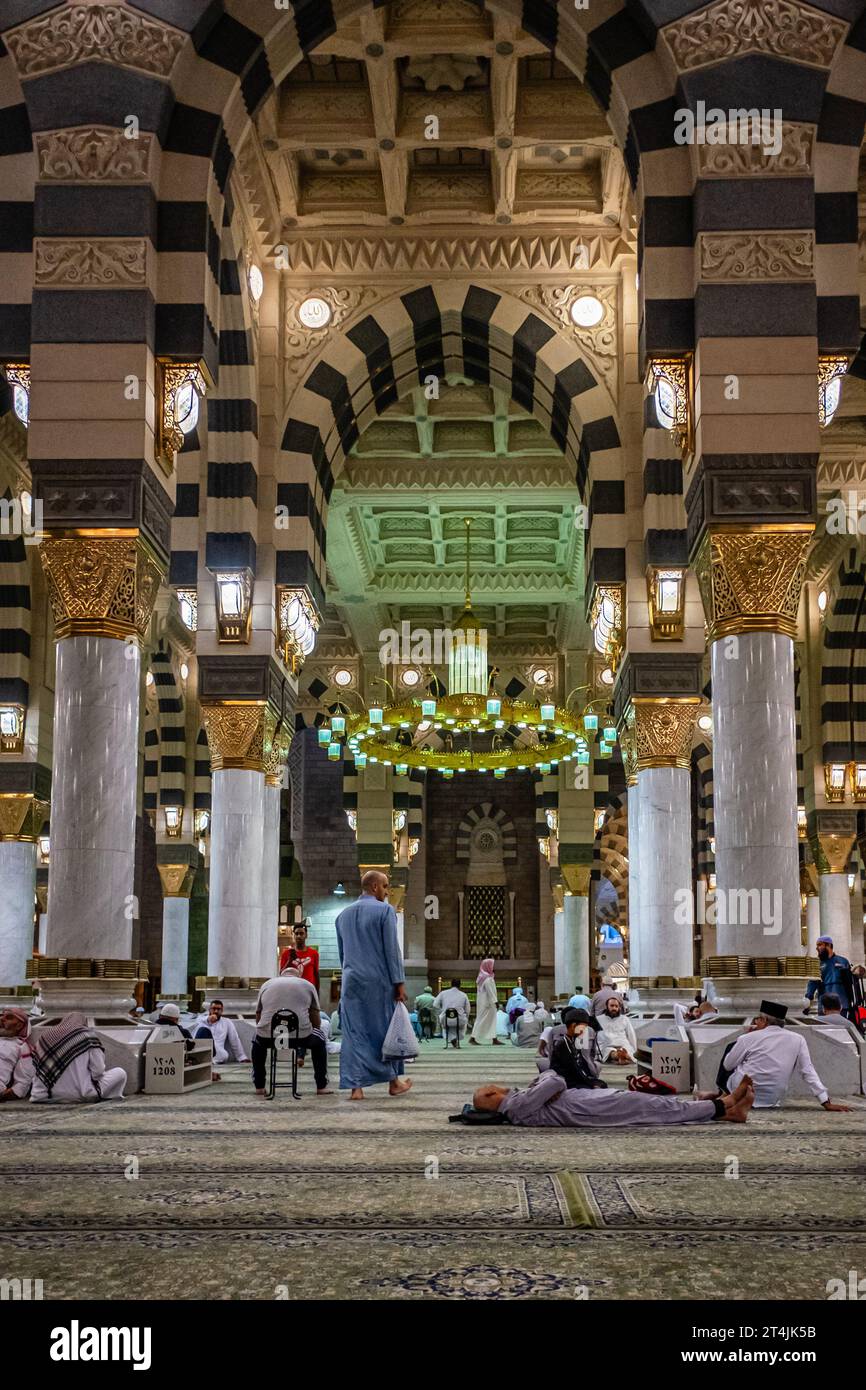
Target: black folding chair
{"x": 284, "y": 1025}
{"x": 451, "y": 1019}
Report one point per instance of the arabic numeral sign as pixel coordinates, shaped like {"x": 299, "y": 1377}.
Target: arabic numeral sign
{"x": 163, "y": 1066}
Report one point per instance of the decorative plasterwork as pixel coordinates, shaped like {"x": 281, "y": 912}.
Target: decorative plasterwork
{"x": 444, "y": 70}
{"x": 748, "y": 256}
{"x": 458, "y": 476}
{"x": 731, "y": 28}
{"x": 733, "y": 161}
{"x": 93, "y": 153}
{"x": 98, "y": 262}
{"x": 301, "y": 344}
{"x": 448, "y": 255}
{"x": 93, "y": 32}
{"x": 428, "y": 581}
{"x": 598, "y": 344}
{"x": 662, "y": 731}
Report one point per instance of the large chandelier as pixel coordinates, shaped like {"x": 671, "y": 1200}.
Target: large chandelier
{"x": 471, "y": 728}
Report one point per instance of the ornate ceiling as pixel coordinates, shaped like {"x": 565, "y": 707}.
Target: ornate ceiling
{"x": 430, "y": 112}
{"x": 396, "y": 534}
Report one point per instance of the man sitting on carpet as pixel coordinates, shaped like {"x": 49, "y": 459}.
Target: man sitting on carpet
{"x": 617, "y": 1037}
{"x": 771, "y": 1055}
{"x": 569, "y": 1057}
{"x": 548, "y": 1101}
{"x": 223, "y": 1033}
{"x": 15, "y": 1068}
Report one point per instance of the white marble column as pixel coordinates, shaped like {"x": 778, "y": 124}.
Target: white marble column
{"x": 813, "y": 923}
{"x": 236, "y": 871}
{"x": 755, "y": 796}
{"x": 91, "y": 904}
{"x": 635, "y": 964}
{"x": 834, "y": 898}
{"x": 575, "y": 953}
{"x": 560, "y": 983}
{"x": 17, "y": 906}
{"x": 175, "y": 945}
{"x": 266, "y": 960}
{"x": 665, "y": 877}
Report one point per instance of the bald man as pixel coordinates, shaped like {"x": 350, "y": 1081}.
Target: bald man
{"x": 372, "y": 984}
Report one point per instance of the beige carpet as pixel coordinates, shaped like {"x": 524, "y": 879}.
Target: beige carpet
{"x": 219, "y": 1195}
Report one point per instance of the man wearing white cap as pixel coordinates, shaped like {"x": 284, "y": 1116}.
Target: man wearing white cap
{"x": 835, "y": 976}
{"x": 770, "y": 1055}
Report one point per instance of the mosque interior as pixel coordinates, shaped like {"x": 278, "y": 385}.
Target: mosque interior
{"x": 432, "y": 440}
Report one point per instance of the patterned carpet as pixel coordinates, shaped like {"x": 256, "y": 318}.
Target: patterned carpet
{"x": 323, "y": 1198}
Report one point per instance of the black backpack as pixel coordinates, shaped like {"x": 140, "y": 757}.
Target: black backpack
{"x": 470, "y": 1116}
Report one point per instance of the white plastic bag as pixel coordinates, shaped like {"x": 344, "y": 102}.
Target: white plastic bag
{"x": 400, "y": 1041}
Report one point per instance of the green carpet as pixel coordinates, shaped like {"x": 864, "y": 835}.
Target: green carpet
{"x": 238, "y": 1198}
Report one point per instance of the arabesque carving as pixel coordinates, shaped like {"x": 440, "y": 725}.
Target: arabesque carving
{"x": 94, "y": 32}
{"x": 739, "y": 256}
{"x": 750, "y": 581}
{"x": 732, "y": 28}
{"x": 736, "y": 160}
{"x": 599, "y": 344}
{"x": 98, "y": 154}
{"x": 239, "y": 735}
{"x": 99, "y": 262}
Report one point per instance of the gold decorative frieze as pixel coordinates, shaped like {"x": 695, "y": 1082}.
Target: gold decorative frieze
{"x": 732, "y": 28}
{"x": 176, "y": 879}
{"x": 22, "y": 816}
{"x": 102, "y": 585}
{"x": 239, "y": 735}
{"x": 93, "y": 33}
{"x": 743, "y": 158}
{"x": 106, "y": 263}
{"x": 734, "y": 257}
{"x": 750, "y": 581}
{"x": 832, "y": 852}
{"x": 663, "y": 730}
{"x": 93, "y": 154}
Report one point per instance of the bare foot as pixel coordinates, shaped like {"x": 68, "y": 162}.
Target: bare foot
{"x": 215, "y": 1076}
{"x": 399, "y": 1088}
{"x": 742, "y": 1090}
{"x": 325, "y": 1091}
{"x": 357, "y": 1094}
{"x": 261, "y": 1094}
{"x": 738, "y": 1113}
{"x": 301, "y": 1061}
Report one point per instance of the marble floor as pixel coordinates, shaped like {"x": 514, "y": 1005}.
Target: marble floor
{"x": 222, "y": 1196}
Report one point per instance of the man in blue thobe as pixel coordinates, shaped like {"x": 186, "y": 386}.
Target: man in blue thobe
{"x": 372, "y": 984}
{"x": 835, "y": 976}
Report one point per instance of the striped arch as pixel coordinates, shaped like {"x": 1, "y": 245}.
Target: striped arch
{"x": 611, "y": 854}
{"x": 203, "y": 75}
{"x": 702, "y": 774}
{"x": 15, "y": 618}
{"x": 201, "y": 796}
{"x": 151, "y": 759}
{"x": 843, "y": 669}
{"x": 426, "y": 333}
{"x": 485, "y": 810}
{"x": 232, "y": 417}
{"x": 172, "y": 729}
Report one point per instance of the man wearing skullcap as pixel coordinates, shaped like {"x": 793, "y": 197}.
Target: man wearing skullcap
{"x": 835, "y": 976}
{"x": 770, "y": 1055}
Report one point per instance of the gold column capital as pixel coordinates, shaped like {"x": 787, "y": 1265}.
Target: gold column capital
{"x": 809, "y": 880}
{"x": 662, "y": 729}
{"x": 275, "y": 760}
{"x": 240, "y": 734}
{"x": 831, "y": 852}
{"x": 576, "y": 878}
{"x": 177, "y": 879}
{"x": 22, "y": 816}
{"x": 101, "y": 583}
{"x": 628, "y": 746}
{"x": 750, "y": 579}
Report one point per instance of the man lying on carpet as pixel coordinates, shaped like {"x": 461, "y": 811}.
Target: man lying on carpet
{"x": 548, "y": 1101}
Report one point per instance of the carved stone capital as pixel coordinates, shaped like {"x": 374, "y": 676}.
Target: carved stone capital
{"x": 732, "y": 28}
{"x": 94, "y": 32}
{"x": 663, "y": 730}
{"x": 750, "y": 580}
{"x": 239, "y": 735}
{"x": 22, "y": 817}
{"x": 102, "y": 585}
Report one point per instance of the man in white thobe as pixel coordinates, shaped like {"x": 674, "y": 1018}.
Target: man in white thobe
{"x": 770, "y": 1055}
{"x": 453, "y": 998}
{"x": 227, "y": 1046}
{"x": 617, "y": 1037}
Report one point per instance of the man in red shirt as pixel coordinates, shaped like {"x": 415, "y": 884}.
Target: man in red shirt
{"x": 305, "y": 957}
